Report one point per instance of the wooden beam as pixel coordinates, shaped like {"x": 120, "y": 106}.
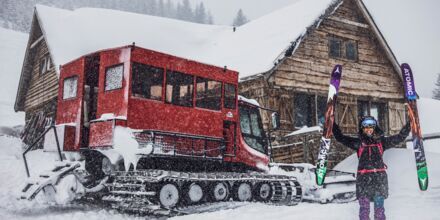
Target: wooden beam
{"x": 346, "y": 21}
{"x": 36, "y": 42}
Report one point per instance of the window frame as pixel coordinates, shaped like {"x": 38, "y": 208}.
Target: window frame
{"x": 330, "y": 41}
{"x": 45, "y": 64}
{"x": 122, "y": 77}
{"x": 343, "y": 42}
{"x": 235, "y": 96}
{"x": 315, "y": 100}
{"x": 140, "y": 96}
{"x": 197, "y": 93}
{"x": 355, "y": 47}
{"x": 64, "y": 88}
{"x": 381, "y": 113}
{"x": 191, "y": 101}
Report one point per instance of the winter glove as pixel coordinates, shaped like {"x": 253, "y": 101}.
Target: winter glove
{"x": 404, "y": 132}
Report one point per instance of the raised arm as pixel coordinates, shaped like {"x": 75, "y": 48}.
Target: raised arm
{"x": 347, "y": 141}
{"x": 394, "y": 140}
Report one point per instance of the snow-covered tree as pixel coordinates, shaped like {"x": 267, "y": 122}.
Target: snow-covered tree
{"x": 200, "y": 14}
{"x": 240, "y": 19}
{"x": 436, "y": 93}
{"x": 209, "y": 19}
{"x": 160, "y": 8}
{"x": 184, "y": 11}
{"x": 170, "y": 10}
{"x": 17, "y": 14}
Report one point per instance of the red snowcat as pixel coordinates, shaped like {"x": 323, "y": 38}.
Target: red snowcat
{"x": 150, "y": 132}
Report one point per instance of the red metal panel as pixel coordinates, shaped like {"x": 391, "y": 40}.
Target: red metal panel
{"x": 69, "y": 137}
{"x": 70, "y": 110}
{"x": 101, "y": 134}
{"x": 155, "y": 115}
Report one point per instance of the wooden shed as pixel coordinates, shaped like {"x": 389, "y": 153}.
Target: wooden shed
{"x": 297, "y": 85}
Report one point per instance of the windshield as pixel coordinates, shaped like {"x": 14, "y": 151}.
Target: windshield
{"x": 252, "y": 128}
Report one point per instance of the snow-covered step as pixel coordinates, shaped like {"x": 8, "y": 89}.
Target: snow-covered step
{"x": 35, "y": 185}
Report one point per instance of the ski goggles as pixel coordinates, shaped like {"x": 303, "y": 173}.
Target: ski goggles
{"x": 369, "y": 123}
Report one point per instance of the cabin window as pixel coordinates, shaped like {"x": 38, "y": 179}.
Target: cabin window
{"x": 309, "y": 110}
{"x": 209, "y": 94}
{"x": 113, "y": 77}
{"x": 230, "y": 94}
{"x": 303, "y": 110}
{"x": 147, "y": 81}
{"x": 342, "y": 48}
{"x": 70, "y": 86}
{"x": 375, "y": 109}
{"x": 45, "y": 64}
{"x": 179, "y": 89}
{"x": 351, "y": 50}
{"x": 335, "y": 47}
{"x": 321, "y": 107}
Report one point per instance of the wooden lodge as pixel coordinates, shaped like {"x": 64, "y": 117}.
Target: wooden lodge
{"x": 298, "y": 84}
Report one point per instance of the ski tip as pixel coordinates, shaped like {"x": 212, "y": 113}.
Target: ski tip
{"x": 404, "y": 65}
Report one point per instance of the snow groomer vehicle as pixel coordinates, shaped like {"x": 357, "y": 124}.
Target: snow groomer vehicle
{"x": 146, "y": 131}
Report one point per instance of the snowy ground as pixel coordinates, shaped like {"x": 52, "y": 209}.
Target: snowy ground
{"x": 405, "y": 201}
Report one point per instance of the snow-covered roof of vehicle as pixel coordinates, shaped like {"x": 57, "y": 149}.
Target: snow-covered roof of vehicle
{"x": 252, "y": 49}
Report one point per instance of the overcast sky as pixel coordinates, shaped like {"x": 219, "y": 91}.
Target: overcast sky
{"x": 411, "y": 28}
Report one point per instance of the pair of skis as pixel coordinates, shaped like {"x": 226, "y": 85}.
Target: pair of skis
{"x": 411, "y": 99}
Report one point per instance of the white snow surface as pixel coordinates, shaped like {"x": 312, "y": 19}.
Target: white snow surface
{"x": 405, "y": 202}
{"x": 12, "y": 48}
{"x": 250, "y": 50}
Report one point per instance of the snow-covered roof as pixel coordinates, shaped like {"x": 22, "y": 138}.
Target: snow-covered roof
{"x": 252, "y": 49}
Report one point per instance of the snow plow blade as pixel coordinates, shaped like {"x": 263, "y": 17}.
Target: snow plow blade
{"x": 35, "y": 185}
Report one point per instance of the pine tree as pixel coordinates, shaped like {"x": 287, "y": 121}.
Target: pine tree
{"x": 239, "y": 19}
{"x": 200, "y": 14}
{"x": 209, "y": 19}
{"x": 436, "y": 92}
{"x": 161, "y": 9}
{"x": 169, "y": 11}
{"x": 184, "y": 12}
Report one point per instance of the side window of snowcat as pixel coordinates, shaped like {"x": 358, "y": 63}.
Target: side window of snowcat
{"x": 208, "y": 93}
{"x": 70, "y": 87}
{"x": 147, "y": 81}
{"x": 230, "y": 96}
{"x": 113, "y": 77}
{"x": 179, "y": 89}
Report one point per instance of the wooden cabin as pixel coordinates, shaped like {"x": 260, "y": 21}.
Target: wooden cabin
{"x": 38, "y": 85}
{"x": 297, "y": 86}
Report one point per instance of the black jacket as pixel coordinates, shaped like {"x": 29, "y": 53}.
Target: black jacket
{"x": 371, "y": 179}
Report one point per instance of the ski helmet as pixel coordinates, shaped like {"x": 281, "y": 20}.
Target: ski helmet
{"x": 368, "y": 122}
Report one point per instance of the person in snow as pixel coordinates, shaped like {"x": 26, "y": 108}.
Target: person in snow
{"x": 371, "y": 180}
